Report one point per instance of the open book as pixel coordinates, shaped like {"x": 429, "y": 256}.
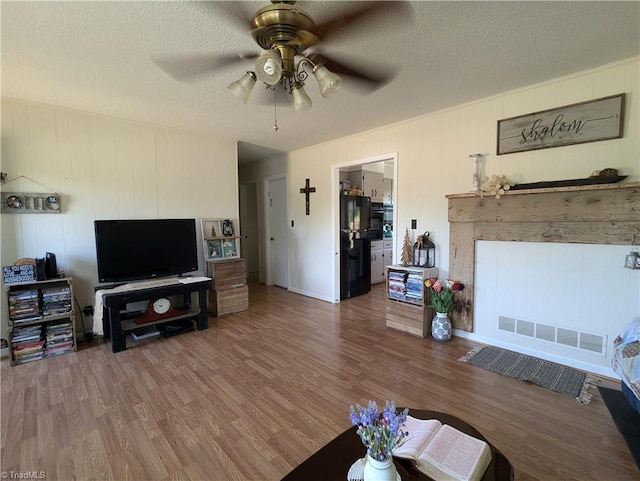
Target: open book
{"x": 442, "y": 452}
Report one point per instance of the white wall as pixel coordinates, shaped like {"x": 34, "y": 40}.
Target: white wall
{"x": 433, "y": 161}
{"x": 104, "y": 168}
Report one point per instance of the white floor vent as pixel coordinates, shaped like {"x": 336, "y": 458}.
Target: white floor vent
{"x": 558, "y": 335}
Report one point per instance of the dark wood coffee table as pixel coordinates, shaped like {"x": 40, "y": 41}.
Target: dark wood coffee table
{"x": 332, "y": 462}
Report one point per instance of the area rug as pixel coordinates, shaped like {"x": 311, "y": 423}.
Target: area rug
{"x": 555, "y": 377}
{"x": 626, "y": 419}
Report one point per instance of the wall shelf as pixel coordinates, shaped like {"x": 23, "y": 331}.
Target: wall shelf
{"x": 221, "y": 239}
{"x": 407, "y": 298}
{"x": 41, "y": 318}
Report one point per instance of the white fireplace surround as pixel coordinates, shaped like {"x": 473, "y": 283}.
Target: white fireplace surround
{"x": 606, "y": 217}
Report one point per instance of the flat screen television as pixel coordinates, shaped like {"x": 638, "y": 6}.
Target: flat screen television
{"x": 136, "y": 249}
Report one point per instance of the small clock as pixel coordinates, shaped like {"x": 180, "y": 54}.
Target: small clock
{"x": 161, "y": 306}
{"x": 157, "y": 310}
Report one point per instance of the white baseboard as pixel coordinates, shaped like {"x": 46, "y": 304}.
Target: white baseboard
{"x": 310, "y": 294}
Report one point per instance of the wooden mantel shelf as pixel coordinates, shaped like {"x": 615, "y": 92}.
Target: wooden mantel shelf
{"x": 589, "y": 214}
{"x": 574, "y": 188}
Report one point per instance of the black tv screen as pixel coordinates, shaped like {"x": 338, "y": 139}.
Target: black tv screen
{"x": 128, "y": 250}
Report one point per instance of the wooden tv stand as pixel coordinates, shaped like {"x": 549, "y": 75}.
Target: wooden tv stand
{"x": 116, "y": 328}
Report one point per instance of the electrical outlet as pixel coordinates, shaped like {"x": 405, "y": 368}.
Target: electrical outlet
{"x": 88, "y": 310}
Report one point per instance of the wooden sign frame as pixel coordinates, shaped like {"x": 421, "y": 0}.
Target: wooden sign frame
{"x": 590, "y": 121}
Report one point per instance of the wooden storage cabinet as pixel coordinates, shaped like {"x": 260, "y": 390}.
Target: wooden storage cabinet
{"x": 226, "y": 275}
{"x": 406, "y": 299}
{"x": 41, "y": 319}
{"x": 228, "y": 301}
{"x": 229, "y": 291}
{"x": 408, "y": 318}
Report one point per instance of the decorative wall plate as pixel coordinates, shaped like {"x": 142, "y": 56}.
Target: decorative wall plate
{"x": 27, "y": 203}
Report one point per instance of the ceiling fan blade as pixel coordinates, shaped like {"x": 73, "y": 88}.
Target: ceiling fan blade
{"x": 235, "y": 12}
{"x": 194, "y": 67}
{"x": 363, "y": 11}
{"x": 370, "y": 78}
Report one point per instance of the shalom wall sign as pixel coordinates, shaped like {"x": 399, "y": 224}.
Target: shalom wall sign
{"x": 591, "y": 121}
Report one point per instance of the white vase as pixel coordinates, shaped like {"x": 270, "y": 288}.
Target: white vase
{"x": 375, "y": 470}
{"x": 441, "y": 327}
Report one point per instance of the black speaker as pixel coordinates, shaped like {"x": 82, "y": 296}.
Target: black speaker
{"x": 50, "y": 266}
{"x": 40, "y": 269}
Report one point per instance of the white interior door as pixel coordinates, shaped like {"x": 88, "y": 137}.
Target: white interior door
{"x": 278, "y": 244}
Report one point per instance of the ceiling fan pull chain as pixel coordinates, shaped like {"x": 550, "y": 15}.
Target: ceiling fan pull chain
{"x": 275, "y": 109}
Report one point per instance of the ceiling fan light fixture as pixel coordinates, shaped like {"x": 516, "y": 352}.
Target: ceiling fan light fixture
{"x": 242, "y": 87}
{"x": 269, "y": 67}
{"x": 328, "y": 81}
{"x": 301, "y": 100}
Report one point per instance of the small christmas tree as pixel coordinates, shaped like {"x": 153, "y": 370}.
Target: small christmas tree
{"x": 407, "y": 250}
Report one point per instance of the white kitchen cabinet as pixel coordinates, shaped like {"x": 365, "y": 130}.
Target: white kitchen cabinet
{"x": 387, "y": 254}
{"x": 370, "y": 183}
{"x": 373, "y": 186}
{"x": 387, "y": 191}
{"x": 377, "y": 262}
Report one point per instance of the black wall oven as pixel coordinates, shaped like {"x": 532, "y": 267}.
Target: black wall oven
{"x": 377, "y": 216}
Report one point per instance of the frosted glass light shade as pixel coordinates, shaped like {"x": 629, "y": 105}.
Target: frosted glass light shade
{"x": 329, "y": 82}
{"x": 269, "y": 67}
{"x": 242, "y": 87}
{"x": 301, "y": 100}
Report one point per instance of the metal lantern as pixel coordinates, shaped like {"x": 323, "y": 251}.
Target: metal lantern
{"x": 424, "y": 251}
{"x": 632, "y": 260}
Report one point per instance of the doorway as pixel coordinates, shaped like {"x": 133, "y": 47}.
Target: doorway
{"x": 249, "y": 241}
{"x": 277, "y": 232}
{"x": 388, "y": 165}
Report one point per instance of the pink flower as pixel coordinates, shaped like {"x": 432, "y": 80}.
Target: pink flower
{"x": 437, "y": 286}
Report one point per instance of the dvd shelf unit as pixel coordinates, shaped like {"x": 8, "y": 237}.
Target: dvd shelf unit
{"x": 407, "y": 308}
{"x": 41, "y": 320}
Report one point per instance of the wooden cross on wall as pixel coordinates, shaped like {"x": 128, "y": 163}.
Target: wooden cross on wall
{"x": 306, "y": 190}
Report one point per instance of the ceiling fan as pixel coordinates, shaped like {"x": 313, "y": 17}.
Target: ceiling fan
{"x": 284, "y": 32}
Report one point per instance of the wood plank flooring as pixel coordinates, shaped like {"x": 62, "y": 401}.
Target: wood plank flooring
{"x": 260, "y": 391}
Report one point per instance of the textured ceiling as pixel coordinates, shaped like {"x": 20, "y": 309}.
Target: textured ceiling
{"x": 96, "y": 57}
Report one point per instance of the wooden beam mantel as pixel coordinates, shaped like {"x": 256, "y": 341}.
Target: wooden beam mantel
{"x": 594, "y": 214}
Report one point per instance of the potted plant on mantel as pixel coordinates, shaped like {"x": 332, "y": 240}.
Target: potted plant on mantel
{"x": 441, "y": 299}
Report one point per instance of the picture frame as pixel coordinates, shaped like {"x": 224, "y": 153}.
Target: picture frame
{"x": 229, "y": 247}
{"x": 590, "y": 121}
{"x": 214, "y": 249}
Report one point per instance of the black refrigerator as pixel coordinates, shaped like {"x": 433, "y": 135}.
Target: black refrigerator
{"x": 355, "y": 245}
